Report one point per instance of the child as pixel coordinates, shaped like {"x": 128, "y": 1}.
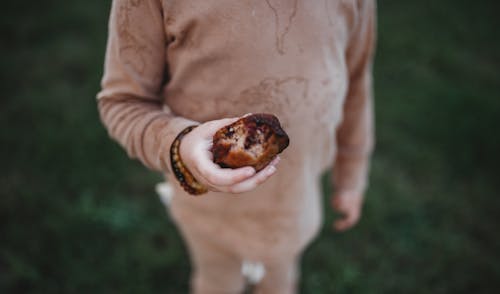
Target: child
{"x": 171, "y": 64}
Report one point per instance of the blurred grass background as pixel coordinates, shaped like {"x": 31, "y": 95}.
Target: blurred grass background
{"x": 77, "y": 216}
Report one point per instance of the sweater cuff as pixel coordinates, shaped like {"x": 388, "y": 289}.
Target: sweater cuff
{"x": 168, "y": 135}
{"x": 350, "y": 173}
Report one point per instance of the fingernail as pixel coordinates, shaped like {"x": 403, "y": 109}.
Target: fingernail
{"x": 271, "y": 170}
{"x": 247, "y": 114}
{"x": 275, "y": 161}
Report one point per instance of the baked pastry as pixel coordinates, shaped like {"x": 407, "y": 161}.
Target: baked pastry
{"x": 253, "y": 140}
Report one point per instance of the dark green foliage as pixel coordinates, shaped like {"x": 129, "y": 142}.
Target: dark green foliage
{"x": 77, "y": 216}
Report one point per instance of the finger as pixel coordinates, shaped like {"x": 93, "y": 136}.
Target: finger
{"x": 259, "y": 178}
{"x": 252, "y": 183}
{"x": 217, "y": 176}
{"x": 214, "y": 126}
{"x": 336, "y": 203}
{"x": 341, "y": 225}
{"x": 208, "y": 185}
{"x": 346, "y": 222}
{"x": 341, "y": 207}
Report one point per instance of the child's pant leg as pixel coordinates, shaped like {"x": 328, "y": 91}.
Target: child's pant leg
{"x": 281, "y": 277}
{"x": 215, "y": 269}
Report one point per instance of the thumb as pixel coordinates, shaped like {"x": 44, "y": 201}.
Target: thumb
{"x": 215, "y": 125}
{"x": 348, "y": 220}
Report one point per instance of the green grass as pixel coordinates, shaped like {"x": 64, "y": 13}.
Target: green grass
{"x": 77, "y": 216}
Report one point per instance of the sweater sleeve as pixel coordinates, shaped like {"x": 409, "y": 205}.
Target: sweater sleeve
{"x": 355, "y": 134}
{"x": 130, "y": 104}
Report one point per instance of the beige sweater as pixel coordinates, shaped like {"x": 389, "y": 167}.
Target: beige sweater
{"x": 172, "y": 62}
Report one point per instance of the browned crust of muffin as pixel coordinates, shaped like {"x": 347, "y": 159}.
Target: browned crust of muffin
{"x": 263, "y": 140}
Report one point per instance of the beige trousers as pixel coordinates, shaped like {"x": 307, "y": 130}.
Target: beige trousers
{"x": 217, "y": 269}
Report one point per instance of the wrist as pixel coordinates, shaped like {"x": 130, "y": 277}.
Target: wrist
{"x": 179, "y": 169}
{"x": 349, "y": 191}
{"x": 167, "y": 136}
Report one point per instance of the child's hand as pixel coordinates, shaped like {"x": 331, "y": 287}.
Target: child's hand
{"x": 196, "y": 155}
{"x": 349, "y": 204}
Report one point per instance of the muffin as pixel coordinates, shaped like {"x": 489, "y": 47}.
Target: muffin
{"x": 253, "y": 140}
